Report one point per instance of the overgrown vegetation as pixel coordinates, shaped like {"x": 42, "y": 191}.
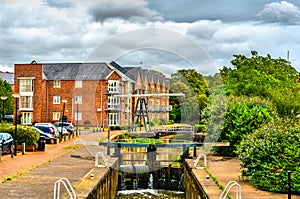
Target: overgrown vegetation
{"x": 270, "y": 152}
{"x": 24, "y": 134}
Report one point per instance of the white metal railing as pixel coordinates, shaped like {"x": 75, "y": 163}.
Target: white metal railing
{"x": 104, "y": 158}
{"x": 176, "y": 129}
{"x": 228, "y": 187}
{"x": 67, "y": 186}
{"x": 198, "y": 159}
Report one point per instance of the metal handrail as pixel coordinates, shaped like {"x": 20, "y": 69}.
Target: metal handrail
{"x": 198, "y": 159}
{"x": 67, "y": 186}
{"x": 228, "y": 187}
{"x": 104, "y": 158}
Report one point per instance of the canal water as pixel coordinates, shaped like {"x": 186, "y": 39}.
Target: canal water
{"x": 150, "y": 193}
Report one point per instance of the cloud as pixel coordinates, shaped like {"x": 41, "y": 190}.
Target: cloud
{"x": 280, "y": 12}
{"x": 133, "y": 10}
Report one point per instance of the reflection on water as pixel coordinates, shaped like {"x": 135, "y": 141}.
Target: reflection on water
{"x": 149, "y": 193}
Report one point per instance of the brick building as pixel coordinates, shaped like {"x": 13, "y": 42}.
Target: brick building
{"x": 85, "y": 92}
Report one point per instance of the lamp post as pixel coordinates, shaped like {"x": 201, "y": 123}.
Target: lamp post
{"x": 3, "y": 98}
{"x": 77, "y": 101}
{"x": 62, "y": 119}
{"x": 16, "y": 96}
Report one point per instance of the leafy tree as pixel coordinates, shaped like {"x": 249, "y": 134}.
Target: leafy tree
{"x": 261, "y": 76}
{"x": 6, "y": 90}
{"x": 243, "y": 115}
{"x": 270, "y": 152}
{"x": 195, "y": 88}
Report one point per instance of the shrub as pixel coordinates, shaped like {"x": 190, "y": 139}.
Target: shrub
{"x": 243, "y": 115}
{"x": 115, "y": 128}
{"x": 26, "y": 135}
{"x": 269, "y": 153}
{"x": 170, "y": 122}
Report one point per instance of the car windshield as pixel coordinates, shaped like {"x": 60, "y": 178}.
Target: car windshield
{"x": 1, "y": 136}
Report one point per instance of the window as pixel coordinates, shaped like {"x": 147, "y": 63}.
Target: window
{"x": 26, "y": 85}
{"x": 78, "y": 99}
{"x": 78, "y": 84}
{"x": 56, "y": 99}
{"x": 26, "y": 102}
{"x": 26, "y": 118}
{"x": 56, "y": 84}
{"x": 56, "y": 115}
{"x": 113, "y": 103}
{"x": 79, "y": 116}
{"x": 113, "y": 86}
{"x": 113, "y": 119}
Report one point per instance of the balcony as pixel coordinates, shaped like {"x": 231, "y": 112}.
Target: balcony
{"x": 112, "y": 107}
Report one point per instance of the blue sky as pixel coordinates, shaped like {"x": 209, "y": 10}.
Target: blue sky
{"x": 181, "y": 34}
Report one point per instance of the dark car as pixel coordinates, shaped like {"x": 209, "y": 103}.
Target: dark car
{"x": 6, "y": 141}
{"x": 8, "y": 118}
{"x": 67, "y": 125}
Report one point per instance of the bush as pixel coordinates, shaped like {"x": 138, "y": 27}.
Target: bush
{"x": 169, "y": 122}
{"x": 26, "y": 135}
{"x": 243, "y": 115}
{"x": 269, "y": 153}
{"x": 115, "y": 128}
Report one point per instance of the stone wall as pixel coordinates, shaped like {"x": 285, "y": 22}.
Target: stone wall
{"x": 100, "y": 183}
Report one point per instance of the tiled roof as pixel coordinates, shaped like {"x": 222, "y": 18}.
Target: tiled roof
{"x": 7, "y": 76}
{"x": 73, "y": 71}
{"x": 134, "y": 71}
{"x": 122, "y": 70}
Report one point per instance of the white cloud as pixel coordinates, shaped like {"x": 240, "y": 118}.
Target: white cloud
{"x": 282, "y": 12}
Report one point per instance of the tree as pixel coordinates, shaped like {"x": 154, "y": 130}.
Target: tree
{"x": 243, "y": 116}
{"x": 195, "y": 88}
{"x": 261, "y": 76}
{"x": 6, "y": 90}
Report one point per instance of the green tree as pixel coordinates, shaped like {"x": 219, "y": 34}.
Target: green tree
{"x": 195, "y": 88}
{"x": 261, "y": 76}
{"x": 243, "y": 116}
{"x": 6, "y": 90}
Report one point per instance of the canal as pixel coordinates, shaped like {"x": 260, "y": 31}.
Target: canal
{"x": 150, "y": 172}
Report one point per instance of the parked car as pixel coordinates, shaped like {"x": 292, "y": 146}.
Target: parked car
{"x": 50, "y": 139}
{"x": 8, "y": 118}
{"x": 47, "y": 129}
{"x": 67, "y": 125}
{"x": 6, "y": 140}
{"x": 63, "y": 130}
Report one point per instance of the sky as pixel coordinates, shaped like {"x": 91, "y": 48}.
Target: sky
{"x": 165, "y": 35}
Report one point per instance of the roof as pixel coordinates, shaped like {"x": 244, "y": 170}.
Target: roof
{"x": 134, "y": 71}
{"x": 122, "y": 70}
{"x": 73, "y": 71}
{"x": 7, "y": 76}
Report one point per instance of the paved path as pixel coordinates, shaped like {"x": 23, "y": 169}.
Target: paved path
{"x": 56, "y": 162}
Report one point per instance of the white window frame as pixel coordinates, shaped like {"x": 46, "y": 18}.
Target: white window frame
{"x": 26, "y": 102}
{"x": 78, "y": 99}
{"x": 113, "y": 102}
{"x": 56, "y": 115}
{"x": 113, "y": 119}
{"x": 113, "y": 86}
{"x": 26, "y": 118}
{"x": 26, "y": 85}
{"x": 78, "y": 83}
{"x": 56, "y": 99}
{"x": 56, "y": 84}
{"x": 79, "y": 116}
